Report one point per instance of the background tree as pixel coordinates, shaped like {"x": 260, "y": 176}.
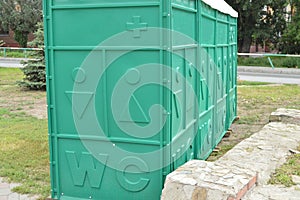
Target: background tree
{"x": 34, "y": 69}
{"x": 290, "y": 42}
{"x": 21, "y": 16}
{"x": 272, "y": 25}
{"x": 257, "y": 22}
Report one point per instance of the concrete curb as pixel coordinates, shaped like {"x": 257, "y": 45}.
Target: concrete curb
{"x": 268, "y": 70}
{"x": 12, "y": 59}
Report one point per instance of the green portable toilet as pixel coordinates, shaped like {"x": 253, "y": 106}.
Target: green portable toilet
{"x": 135, "y": 89}
{"x": 218, "y": 64}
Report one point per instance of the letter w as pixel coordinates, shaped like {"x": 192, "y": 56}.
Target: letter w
{"x": 87, "y": 166}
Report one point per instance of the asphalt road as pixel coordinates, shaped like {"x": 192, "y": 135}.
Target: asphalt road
{"x": 270, "y": 78}
{"x": 269, "y": 75}
{"x": 11, "y": 62}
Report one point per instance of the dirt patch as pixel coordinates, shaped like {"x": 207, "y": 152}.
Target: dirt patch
{"x": 39, "y": 109}
{"x": 16, "y": 99}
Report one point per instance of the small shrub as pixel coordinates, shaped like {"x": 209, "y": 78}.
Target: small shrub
{"x": 287, "y": 62}
{"x": 34, "y": 70}
{"x": 290, "y": 62}
{"x": 250, "y": 61}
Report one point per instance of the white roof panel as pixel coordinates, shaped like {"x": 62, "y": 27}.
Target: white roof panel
{"x": 222, "y": 6}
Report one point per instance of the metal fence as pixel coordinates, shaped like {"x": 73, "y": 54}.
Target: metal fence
{"x": 269, "y": 55}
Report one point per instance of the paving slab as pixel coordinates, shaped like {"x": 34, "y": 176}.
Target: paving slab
{"x": 7, "y": 194}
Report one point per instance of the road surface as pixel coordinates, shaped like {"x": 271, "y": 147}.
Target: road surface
{"x": 269, "y": 75}
{"x": 270, "y": 78}
{"x": 11, "y": 62}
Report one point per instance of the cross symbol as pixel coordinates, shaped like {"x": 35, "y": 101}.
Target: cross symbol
{"x": 136, "y": 26}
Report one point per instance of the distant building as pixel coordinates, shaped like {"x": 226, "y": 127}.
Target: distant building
{"x": 290, "y": 12}
{"x": 8, "y": 38}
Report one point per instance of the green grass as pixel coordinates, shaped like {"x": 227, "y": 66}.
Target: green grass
{"x": 255, "y": 104}
{"x": 223, "y": 149}
{"x": 24, "y": 152}
{"x": 9, "y": 76}
{"x": 263, "y": 61}
{"x": 24, "y": 142}
{"x": 251, "y": 83}
{"x": 283, "y": 175}
{"x": 24, "y": 146}
{"x": 14, "y": 54}
{"x": 272, "y": 97}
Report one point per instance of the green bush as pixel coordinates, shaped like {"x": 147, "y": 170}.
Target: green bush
{"x": 287, "y": 62}
{"x": 250, "y": 61}
{"x": 290, "y": 62}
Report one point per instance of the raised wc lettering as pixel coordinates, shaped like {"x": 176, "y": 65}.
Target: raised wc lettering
{"x": 140, "y": 167}
{"x": 86, "y": 168}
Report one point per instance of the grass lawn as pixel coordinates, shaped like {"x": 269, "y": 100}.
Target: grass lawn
{"x": 255, "y": 104}
{"x": 24, "y": 152}
{"x": 24, "y": 145}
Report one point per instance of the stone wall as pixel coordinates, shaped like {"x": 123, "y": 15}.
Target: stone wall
{"x": 248, "y": 164}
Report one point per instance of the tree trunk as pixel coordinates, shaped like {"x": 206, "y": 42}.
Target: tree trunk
{"x": 245, "y": 44}
{"x": 256, "y": 46}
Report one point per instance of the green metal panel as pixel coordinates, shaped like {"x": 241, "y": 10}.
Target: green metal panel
{"x": 218, "y": 39}
{"x": 232, "y": 74}
{"x": 108, "y": 137}
{"x": 183, "y": 63}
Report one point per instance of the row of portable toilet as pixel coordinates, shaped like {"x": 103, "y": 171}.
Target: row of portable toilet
{"x": 135, "y": 89}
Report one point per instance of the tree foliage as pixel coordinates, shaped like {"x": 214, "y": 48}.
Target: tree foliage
{"x": 34, "y": 69}
{"x": 272, "y": 25}
{"x": 290, "y": 42}
{"x": 256, "y": 21}
{"x": 21, "y": 16}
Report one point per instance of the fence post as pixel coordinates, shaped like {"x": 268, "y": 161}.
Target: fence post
{"x": 271, "y": 63}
